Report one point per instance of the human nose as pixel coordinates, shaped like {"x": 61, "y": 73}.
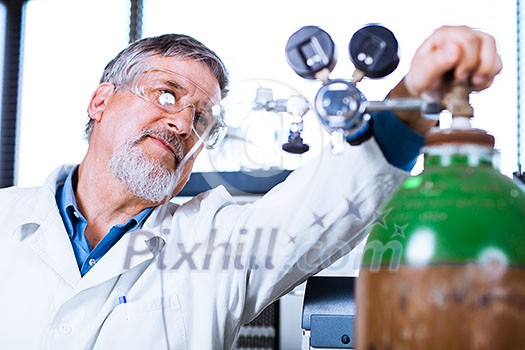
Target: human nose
{"x": 181, "y": 121}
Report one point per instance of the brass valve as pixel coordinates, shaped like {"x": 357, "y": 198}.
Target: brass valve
{"x": 456, "y": 99}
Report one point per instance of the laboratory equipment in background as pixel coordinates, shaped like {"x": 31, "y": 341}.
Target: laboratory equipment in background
{"x": 296, "y": 106}
{"x": 329, "y": 312}
{"x": 259, "y": 113}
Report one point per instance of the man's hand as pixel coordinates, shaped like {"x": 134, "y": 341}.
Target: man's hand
{"x": 470, "y": 54}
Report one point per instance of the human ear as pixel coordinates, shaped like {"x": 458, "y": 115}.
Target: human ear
{"x": 98, "y": 101}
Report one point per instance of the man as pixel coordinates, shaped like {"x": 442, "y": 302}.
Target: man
{"x": 98, "y": 258}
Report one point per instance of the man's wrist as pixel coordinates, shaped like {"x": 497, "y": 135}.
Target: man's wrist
{"x": 413, "y": 119}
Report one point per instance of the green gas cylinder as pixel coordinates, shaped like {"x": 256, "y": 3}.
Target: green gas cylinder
{"x": 445, "y": 267}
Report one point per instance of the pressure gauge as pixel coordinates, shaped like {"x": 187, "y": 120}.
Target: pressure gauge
{"x": 310, "y": 51}
{"x": 373, "y": 50}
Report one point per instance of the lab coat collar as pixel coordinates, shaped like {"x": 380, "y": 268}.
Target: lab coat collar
{"x": 133, "y": 249}
{"x": 44, "y": 201}
{"x": 44, "y": 230}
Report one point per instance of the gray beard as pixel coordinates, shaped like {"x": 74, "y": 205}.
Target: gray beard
{"x": 143, "y": 176}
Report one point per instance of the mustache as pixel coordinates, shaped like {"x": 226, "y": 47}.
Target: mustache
{"x": 165, "y": 135}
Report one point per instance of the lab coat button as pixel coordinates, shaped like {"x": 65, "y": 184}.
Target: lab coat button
{"x": 92, "y": 262}
{"x": 64, "y": 329}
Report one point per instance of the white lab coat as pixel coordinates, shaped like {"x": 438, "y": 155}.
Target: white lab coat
{"x": 182, "y": 291}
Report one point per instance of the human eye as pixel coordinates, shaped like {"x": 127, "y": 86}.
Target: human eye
{"x": 166, "y": 98}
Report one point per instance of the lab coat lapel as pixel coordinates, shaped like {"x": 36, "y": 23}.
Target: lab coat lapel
{"x": 47, "y": 234}
{"x": 52, "y": 244}
{"x": 131, "y": 250}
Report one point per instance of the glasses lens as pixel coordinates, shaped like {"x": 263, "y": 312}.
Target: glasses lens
{"x": 172, "y": 93}
{"x": 214, "y": 135}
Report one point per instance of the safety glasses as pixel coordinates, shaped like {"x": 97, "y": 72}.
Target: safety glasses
{"x": 173, "y": 93}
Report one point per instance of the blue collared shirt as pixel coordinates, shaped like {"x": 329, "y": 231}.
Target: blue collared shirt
{"x": 76, "y": 224}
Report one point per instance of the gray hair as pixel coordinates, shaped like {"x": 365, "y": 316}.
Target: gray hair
{"x": 117, "y": 71}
